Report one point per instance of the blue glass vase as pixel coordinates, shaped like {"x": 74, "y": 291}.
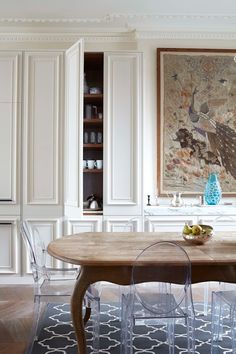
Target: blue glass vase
{"x": 212, "y": 191}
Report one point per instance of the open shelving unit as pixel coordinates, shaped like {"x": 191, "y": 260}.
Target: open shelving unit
{"x": 93, "y": 128}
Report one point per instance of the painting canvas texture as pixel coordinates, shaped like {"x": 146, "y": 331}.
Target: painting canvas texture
{"x": 197, "y": 120}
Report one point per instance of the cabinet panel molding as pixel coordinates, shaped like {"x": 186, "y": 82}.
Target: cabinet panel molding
{"x": 219, "y": 222}
{"x": 122, "y": 127}
{"x": 9, "y": 246}
{"x": 122, "y": 224}
{"x": 49, "y": 230}
{"x": 73, "y": 125}
{"x": 87, "y": 224}
{"x": 167, "y": 223}
{"x": 43, "y": 72}
{"x": 10, "y": 108}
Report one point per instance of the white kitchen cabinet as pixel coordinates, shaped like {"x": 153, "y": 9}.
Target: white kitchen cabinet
{"x": 48, "y": 179}
{"x": 121, "y": 150}
{"x": 122, "y": 224}
{"x": 167, "y": 218}
{"x": 10, "y": 127}
{"x": 9, "y": 246}
{"x": 167, "y": 223}
{"x": 122, "y": 133}
{"x": 220, "y": 222}
{"x": 42, "y": 154}
{"x": 10, "y": 159}
{"x": 73, "y": 138}
{"x": 85, "y": 224}
{"x": 49, "y": 229}
{"x": 34, "y": 152}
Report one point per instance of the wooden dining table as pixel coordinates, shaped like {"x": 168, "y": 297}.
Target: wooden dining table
{"x": 109, "y": 256}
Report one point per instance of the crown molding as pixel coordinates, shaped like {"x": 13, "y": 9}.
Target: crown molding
{"x": 116, "y": 37}
{"x": 186, "y": 35}
{"x": 120, "y": 28}
{"x": 123, "y": 16}
{"x": 129, "y": 36}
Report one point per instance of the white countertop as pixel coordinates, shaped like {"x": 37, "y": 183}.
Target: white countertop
{"x": 190, "y": 210}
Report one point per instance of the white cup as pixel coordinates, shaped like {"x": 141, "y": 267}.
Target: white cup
{"x": 99, "y": 164}
{"x": 84, "y": 164}
{"x": 90, "y": 164}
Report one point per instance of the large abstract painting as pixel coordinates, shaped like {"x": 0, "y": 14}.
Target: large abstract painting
{"x": 196, "y": 97}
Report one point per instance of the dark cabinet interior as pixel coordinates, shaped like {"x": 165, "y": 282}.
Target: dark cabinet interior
{"x": 93, "y": 133}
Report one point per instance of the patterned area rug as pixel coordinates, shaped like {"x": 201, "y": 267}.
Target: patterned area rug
{"x": 57, "y": 334}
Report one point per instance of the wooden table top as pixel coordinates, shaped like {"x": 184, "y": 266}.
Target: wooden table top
{"x": 115, "y": 249}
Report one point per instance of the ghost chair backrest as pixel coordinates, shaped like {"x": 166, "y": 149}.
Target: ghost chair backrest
{"x": 36, "y": 250}
{"x": 154, "y": 270}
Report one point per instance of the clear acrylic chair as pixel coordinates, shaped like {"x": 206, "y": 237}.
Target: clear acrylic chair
{"x": 220, "y": 223}
{"x": 53, "y": 285}
{"x": 160, "y": 294}
{"x": 223, "y": 307}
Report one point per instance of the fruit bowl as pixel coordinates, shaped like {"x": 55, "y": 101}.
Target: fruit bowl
{"x": 197, "y": 234}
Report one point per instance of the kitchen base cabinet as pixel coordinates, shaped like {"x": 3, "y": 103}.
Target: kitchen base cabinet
{"x": 9, "y": 246}
{"x": 122, "y": 224}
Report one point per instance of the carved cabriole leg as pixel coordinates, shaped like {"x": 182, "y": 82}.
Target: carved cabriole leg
{"x": 77, "y": 299}
{"x": 89, "y": 275}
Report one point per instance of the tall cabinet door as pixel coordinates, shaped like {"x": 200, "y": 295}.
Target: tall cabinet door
{"x": 74, "y": 72}
{"x": 10, "y": 106}
{"x": 10, "y": 130}
{"x": 42, "y": 139}
{"x": 122, "y": 133}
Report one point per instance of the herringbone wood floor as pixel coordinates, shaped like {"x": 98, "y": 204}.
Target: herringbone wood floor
{"x": 16, "y": 305}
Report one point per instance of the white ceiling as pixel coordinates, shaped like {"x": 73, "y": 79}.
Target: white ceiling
{"x": 131, "y": 14}
{"x": 101, "y": 8}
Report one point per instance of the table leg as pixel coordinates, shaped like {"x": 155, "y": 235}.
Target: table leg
{"x": 77, "y": 301}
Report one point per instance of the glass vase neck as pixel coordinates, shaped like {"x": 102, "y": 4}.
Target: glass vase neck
{"x": 213, "y": 176}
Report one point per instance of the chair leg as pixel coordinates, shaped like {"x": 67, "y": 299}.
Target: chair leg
{"x": 171, "y": 335}
{"x": 34, "y": 329}
{"x": 126, "y": 327}
{"x": 96, "y": 324}
{"x": 206, "y": 295}
{"x": 233, "y": 330}
{"x": 191, "y": 334}
{"x": 216, "y": 322}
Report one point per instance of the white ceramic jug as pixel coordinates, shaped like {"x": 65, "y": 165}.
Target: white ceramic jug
{"x": 177, "y": 200}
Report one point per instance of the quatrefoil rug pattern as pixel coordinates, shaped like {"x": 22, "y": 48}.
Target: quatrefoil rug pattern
{"x": 57, "y": 334}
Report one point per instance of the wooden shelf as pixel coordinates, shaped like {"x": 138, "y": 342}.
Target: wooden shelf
{"x": 93, "y": 97}
{"x": 93, "y": 170}
{"x": 92, "y": 212}
{"x": 93, "y": 146}
{"x": 93, "y": 121}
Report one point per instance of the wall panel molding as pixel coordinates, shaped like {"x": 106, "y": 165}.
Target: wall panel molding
{"x": 9, "y": 246}
{"x": 49, "y": 230}
{"x": 87, "y": 224}
{"x": 123, "y": 110}
{"x": 122, "y": 224}
{"x": 73, "y": 196}
{"x": 42, "y": 127}
{"x": 10, "y": 107}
